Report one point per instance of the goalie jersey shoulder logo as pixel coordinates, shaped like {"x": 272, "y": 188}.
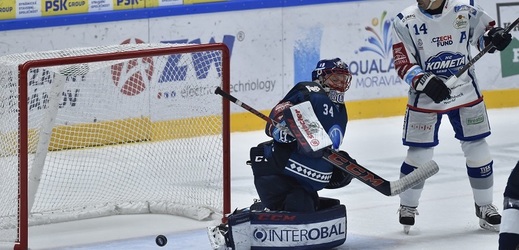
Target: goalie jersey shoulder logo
{"x": 313, "y": 88}
{"x": 310, "y": 87}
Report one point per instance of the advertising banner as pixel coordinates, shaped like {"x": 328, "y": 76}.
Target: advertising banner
{"x": 274, "y": 48}
{"x": 16, "y": 9}
{"x": 7, "y": 9}
{"x": 256, "y": 49}
{"x": 63, "y": 7}
{"x": 100, "y": 5}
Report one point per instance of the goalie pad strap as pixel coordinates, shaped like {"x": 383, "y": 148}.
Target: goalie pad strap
{"x": 510, "y": 203}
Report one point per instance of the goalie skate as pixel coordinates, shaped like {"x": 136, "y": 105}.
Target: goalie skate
{"x": 216, "y": 236}
{"x": 406, "y": 217}
{"x": 489, "y": 218}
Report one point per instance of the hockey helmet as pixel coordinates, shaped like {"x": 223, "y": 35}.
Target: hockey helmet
{"x": 334, "y": 76}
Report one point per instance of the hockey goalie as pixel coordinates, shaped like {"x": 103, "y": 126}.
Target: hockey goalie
{"x": 289, "y": 171}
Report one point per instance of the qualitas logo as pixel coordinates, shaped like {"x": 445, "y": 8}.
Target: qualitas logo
{"x": 376, "y": 66}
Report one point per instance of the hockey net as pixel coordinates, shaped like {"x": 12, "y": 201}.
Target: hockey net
{"x": 123, "y": 129}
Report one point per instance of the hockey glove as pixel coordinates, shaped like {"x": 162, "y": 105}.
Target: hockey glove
{"x": 279, "y": 133}
{"x": 433, "y": 87}
{"x": 339, "y": 179}
{"x": 498, "y": 38}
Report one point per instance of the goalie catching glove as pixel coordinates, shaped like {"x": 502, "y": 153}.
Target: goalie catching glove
{"x": 280, "y": 132}
{"x": 432, "y": 86}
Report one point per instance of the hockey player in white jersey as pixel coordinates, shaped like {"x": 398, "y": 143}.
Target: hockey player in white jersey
{"x": 431, "y": 42}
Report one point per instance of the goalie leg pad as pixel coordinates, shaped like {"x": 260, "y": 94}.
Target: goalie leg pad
{"x": 512, "y": 185}
{"x": 509, "y": 230}
{"x": 218, "y": 237}
{"x": 323, "y": 229}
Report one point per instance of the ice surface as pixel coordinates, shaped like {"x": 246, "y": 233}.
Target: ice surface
{"x": 446, "y": 221}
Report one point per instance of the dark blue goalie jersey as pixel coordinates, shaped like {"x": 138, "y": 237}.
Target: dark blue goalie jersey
{"x": 309, "y": 168}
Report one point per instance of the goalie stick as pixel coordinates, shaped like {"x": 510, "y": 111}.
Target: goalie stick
{"x": 344, "y": 162}
{"x": 472, "y": 61}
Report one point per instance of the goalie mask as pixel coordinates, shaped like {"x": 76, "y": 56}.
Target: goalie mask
{"x": 334, "y": 76}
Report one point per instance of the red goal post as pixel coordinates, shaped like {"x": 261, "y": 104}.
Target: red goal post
{"x": 123, "y": 129}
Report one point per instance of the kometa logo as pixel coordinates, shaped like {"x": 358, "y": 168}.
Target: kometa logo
{"x": 445, "y": 64}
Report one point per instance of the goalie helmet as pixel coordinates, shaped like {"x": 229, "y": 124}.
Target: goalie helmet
{"x": 334, "y": 76}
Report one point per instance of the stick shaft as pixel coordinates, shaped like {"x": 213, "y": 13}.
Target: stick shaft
{"x": 344, "y": 162}
{"x": 233, "y": 99}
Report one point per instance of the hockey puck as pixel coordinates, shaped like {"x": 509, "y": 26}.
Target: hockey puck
{"x": 161, "y": 240}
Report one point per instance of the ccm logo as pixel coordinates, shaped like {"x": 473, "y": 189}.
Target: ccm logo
{"x": 276, "y": 217}
{"x": 260, "y": 158}
{"x": 355, "y": 170}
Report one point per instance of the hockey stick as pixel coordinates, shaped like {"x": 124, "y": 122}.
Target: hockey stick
{"x": 472, "y": 61}
{"x": 301, "y": 140}
{"x": 344, "y": 162}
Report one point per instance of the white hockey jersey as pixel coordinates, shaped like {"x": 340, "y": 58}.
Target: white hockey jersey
{"x": 440, "y": 44}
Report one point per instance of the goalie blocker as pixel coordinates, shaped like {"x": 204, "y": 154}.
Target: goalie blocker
{"x": 259, "y": 228}
{"x": 307, "y": 129}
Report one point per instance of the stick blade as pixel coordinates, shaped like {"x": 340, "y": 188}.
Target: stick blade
{"x": 420, "y": 174}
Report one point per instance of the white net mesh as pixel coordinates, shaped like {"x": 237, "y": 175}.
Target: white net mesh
{"x": 138, "y": 135}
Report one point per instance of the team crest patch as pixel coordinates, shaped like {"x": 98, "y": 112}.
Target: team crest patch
{"x": 399, "y": 54}
{"x": 461, "y": 22}
{"x": 471, "y": 10}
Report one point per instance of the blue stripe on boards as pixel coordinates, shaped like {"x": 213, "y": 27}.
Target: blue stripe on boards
{"x": 175, "y": 10}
